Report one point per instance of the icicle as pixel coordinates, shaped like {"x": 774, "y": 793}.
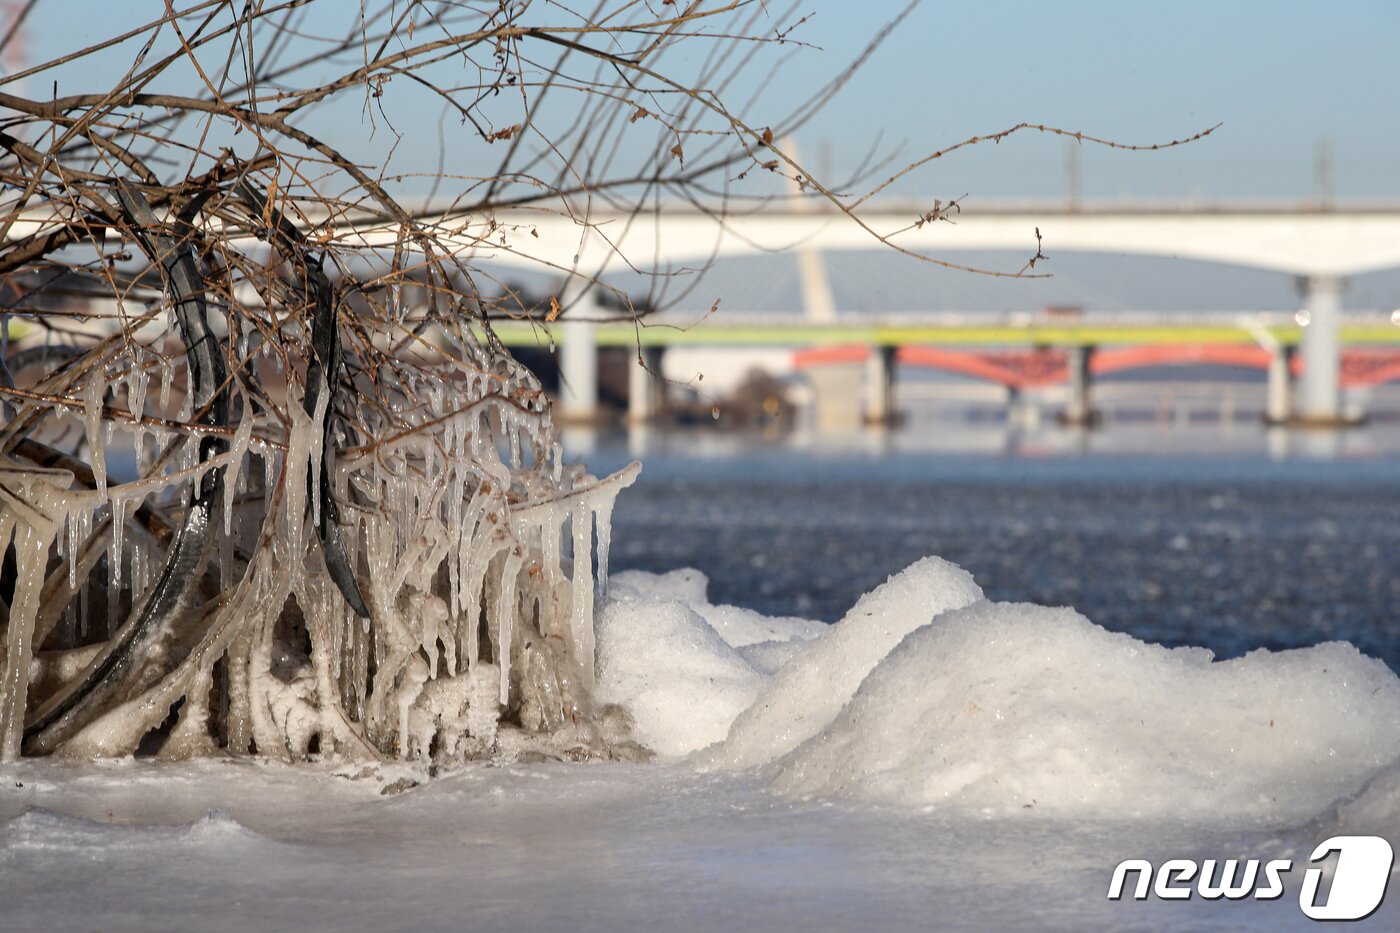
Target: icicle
{"x": 114, "y": 573}
{"x": 581, "y": 618}
{"x": 167, "y": 376}
{"x": 226, "y": 549}
{"x": 549, "y": 543}
{"x": 136, "y": 392}
{"x": 92, "y": 421}
{"x": 32, "y": 537}
{"x": 73, "y": 544}
{"x": 603, "y": 514}
{"x": 505, "y": 622}
{"x": 138, "y": 572}
{"x": 239, "y": 450}
{"x": 318, "y": 417}
{"x": 114, "y": 558}
{"x": 245, "y": 333}
{"x": 186, "y": 411}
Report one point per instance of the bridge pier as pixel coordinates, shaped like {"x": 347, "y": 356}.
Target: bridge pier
{"x": 836, "y": 396}
{"x": 879, "y": 386}
{"x": 1079, "y": 409}
{"x": 646, "y": 389}
{"x": 1319, "y": 393}
{"x": 1279, "y": 407}
{"x": 1022, "y": 410}
{"x": 578, "y": 360}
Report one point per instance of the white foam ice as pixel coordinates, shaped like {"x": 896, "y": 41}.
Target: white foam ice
{"x": 810, "y": 690}
{"x": 682, "y": 682}
{"x": 927, "y": 695}
{"x": 1002, "y": 707}
{"x": 682, "y": 666}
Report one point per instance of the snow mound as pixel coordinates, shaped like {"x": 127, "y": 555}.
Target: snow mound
{"x": 809, "y": 691}
{"x": 682, "y": 682}
{"x": 1004, "y": 707}
{"x": 683, "y": 667}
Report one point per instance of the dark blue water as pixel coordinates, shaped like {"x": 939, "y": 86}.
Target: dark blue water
{"x": 1231, "y": 552}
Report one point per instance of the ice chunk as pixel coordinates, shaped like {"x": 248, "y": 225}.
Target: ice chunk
{"x": 682, "y": 682}
{"x": 810, "y": 691}
{"x": 1002, "y": 708}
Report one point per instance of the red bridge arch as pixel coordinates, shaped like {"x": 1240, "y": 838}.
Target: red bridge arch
{"x": 1362, "y": 367}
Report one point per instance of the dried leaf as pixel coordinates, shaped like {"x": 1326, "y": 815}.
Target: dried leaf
{"x": 505, "y": 133}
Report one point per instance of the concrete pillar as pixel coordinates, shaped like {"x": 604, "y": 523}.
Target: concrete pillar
{"x": 879, "y": 386}
{"x": 1279, "y": 407}
{"x": 1319, "y": 399}
{"x": 836, "y": 396}
{"x": 645, "y": 388}
{"x": 1079, "y": 409}
{"x": 1023, "y": 409}
{"x": 578, "y": 361}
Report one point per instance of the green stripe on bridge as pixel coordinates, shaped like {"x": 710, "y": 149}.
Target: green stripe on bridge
{"x": 519, "y": 334}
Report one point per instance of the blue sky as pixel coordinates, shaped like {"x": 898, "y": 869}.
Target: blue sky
{"x": 1282, "y": 76}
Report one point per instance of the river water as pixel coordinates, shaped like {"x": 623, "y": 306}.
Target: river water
{"x": 1233, "y": 542}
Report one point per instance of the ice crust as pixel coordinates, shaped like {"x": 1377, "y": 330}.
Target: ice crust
{"x": 576, "y": 848}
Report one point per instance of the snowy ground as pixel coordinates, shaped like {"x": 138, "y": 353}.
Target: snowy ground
{"x": 935, "y": 760}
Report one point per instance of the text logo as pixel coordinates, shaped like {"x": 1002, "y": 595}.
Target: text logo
{"x": 1360, "y": 873}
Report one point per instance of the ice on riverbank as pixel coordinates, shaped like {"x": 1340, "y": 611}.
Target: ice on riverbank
{"x": 1122, "y": 749}
{"x": 926, "y": 694}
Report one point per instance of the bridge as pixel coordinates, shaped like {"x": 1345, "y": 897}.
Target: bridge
{"x": 1019, "y": 352}
{"x": 1320, "y": 246}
